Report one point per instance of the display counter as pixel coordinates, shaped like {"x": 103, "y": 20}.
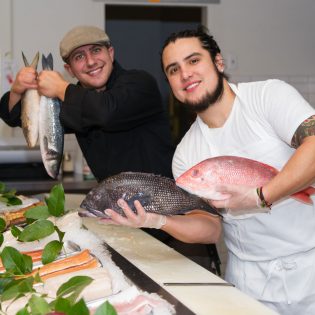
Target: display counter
{"x": 164, "y": 265}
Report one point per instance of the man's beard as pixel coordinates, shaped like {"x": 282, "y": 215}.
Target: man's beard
{"x": 209, "y": 99}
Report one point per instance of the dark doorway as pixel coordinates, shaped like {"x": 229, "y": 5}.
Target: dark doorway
{"x": 138, "y": 33}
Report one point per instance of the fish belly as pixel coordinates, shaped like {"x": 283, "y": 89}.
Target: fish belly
{"x": 51, "y": 135}
{"x": 30, "y": 116}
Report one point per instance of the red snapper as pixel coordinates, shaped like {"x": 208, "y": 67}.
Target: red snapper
{"x": 203, "y": 178}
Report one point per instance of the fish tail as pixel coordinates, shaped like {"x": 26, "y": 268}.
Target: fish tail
{"x": 304, "y": 195}
{"x": 34, "y": 62}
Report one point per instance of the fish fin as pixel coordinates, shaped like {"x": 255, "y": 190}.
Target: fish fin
{"x": 26, "y": 64}
{"x": 143, "y": 198}
{"x": 309, "y": 190}
{"x": 47, "y": 62}
{"x": 35, "y": 61}
{"x": 304, "y": 195}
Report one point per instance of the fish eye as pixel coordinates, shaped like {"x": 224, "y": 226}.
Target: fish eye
{"x": 195, "y": 173}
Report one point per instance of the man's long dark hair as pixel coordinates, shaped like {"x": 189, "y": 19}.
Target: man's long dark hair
{"x": 207, "y": 41}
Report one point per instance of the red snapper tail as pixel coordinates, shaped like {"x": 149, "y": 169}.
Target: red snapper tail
{"x": 304, "y": 195}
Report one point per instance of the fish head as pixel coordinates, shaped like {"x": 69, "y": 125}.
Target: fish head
{"x": 96, "y": 202}
{"x": 199, "y": 180}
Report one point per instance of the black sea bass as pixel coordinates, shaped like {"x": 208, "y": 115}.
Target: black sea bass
{"x": 156, "y": 194}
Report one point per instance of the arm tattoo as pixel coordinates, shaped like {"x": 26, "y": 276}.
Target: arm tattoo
{"x": 307, "y": 128}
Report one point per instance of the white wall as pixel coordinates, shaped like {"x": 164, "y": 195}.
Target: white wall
{"x": 41, "y": 24}
{"x": 266, "y": 36}
{"x": 5, "y": 47}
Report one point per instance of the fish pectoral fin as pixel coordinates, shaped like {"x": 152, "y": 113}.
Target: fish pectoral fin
{"x": 144, "y": 198}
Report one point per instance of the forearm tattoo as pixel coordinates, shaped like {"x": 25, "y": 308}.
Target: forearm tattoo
{"x": 307, "y": 128}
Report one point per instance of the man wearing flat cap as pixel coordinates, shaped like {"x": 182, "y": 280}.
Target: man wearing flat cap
{"x": 116, "y": 114}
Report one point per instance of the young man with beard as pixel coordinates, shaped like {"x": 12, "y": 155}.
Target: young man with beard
{"x": 117, "y": 115}
{"x": 271, "y": 255}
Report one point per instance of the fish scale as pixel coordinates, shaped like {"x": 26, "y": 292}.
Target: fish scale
{"x": 156, "y": 193}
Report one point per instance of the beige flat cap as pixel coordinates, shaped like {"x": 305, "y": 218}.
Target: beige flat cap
{"x": 79, "y": 36}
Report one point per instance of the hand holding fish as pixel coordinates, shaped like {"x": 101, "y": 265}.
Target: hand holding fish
{"x": 52, "y": 84}
{"x": 240, "y": 200}
{"x": 141, "y": 219}
{"x": 25, "y": 79}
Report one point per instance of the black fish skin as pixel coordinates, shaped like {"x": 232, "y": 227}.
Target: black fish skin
{"x": 156, "y": 194}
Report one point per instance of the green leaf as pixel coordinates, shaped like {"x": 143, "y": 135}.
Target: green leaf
{"x": 3, "y": 283}
{"x": 62, "y": 305}
{"x": 105, "y": 309}
{"x": 60, "y": 233}
{"x": 2, "y": 187}
{"x": 79, "y": 308}
{"x": 11, "y": 198}
{"x": 56, "y": 201}
{"x": 23, "y": 311}
{"x": 73, "y": 287}
{"x": 51, "y": 251}
{"x": 1, "y": 239}
{"x": 17, "y": 287}
{"x": 38, "y": 212}
{"x": 37, "y": 278}
{"x": 14, "y": 201}
{"x": 15, "y": 231}
{"x": 2, "y": 225}
{"x": 38, "y": 305}
{"x": 37, "y": 230}
{"x": 16, "y": 262}
{"x": 4, "y": 200}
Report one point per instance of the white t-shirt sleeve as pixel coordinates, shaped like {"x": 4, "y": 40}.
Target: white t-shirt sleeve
{"x": 284, "y": 108}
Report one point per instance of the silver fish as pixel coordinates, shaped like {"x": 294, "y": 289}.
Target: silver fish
{"x": 156, "y": 194}
{"x": 30, "y": 109}
{"x": 51, "y": 133}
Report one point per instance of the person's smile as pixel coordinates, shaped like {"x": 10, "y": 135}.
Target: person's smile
{"x": 95, "y": 71}
{"x": 191, "y": 86}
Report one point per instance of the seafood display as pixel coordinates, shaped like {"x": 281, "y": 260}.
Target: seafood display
{"x": 83, "y": 254}
{"x": 13, "y": 215}
{"x": 156, "y": 194}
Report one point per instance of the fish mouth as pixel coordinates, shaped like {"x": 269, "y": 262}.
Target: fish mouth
{"x": 92, "y": 213}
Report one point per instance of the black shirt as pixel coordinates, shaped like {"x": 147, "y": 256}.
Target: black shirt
{"x": 124, "y": 128}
